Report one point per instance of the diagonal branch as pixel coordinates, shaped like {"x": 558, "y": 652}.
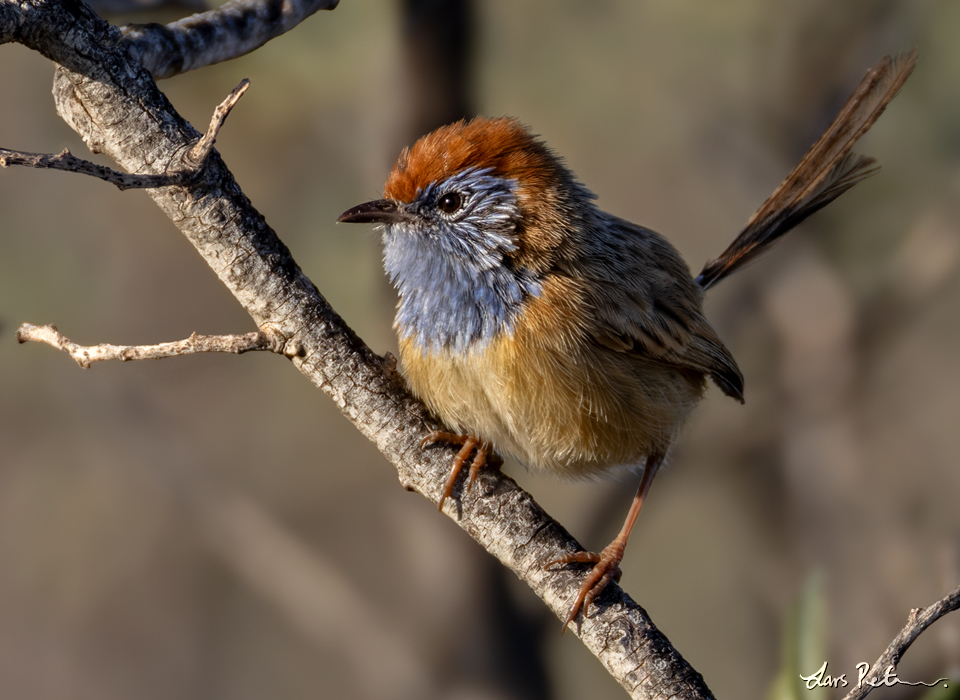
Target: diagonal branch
{"x": 918, "y": 621}
{"x": 234, "y": 29}
{"x": 113, "y": 103}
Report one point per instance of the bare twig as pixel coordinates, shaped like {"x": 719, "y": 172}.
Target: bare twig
{"x": 918, "y": 620}
{"x": 193, "y": 160}
{"x": 234, "y": 29}
{"x": 85, "y": 355}
{"x": 197, "y": 155}
{"x": 116, "y": 107}
{"x": 64, "y": 160}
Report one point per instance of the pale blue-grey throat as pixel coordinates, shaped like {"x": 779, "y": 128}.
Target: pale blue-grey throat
{"x": 448, "y": 257}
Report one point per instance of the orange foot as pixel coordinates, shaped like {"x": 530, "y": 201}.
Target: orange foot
{"x": 469, "y": 442}
{"x": 606, "y": 568}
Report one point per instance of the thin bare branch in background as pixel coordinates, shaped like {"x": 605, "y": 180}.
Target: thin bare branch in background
{"x": 918, "y": 621}
{"x": 85, "y": 355}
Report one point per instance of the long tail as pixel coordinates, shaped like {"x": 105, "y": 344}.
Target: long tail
{"x": 826, "y": 171}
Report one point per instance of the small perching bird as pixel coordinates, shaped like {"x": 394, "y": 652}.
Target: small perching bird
{"x": 535, "y": 324}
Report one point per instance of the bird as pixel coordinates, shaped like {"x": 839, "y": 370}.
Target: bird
{"x": 534, "y": 324}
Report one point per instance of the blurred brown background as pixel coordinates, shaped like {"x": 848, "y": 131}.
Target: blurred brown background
{"x": 198, "y": 527}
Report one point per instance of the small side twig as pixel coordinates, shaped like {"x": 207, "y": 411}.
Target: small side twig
{"x": 918, "y": 621}
{"x": 193, "y": 159}
{"x": 197, "y": 155}
{"x": 85, "y": 355}
{"x": 64, "y": 160}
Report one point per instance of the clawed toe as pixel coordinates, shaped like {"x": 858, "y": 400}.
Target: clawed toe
{"x": 574, "y": 558}
{"x": 606, "y": 568}
{"x": 484, "y": 455}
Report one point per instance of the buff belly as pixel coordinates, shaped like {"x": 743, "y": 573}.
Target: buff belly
{"x": 570, "y": 408}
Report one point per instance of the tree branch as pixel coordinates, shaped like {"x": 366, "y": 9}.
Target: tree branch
{"x": 192, "y": 161}
{"x": 85, "y": 355}
{"x": 113, "y": 103}
{"x": 65, "y": 160}
{"x": 201, "y": 150}
{"x": 917, "y": 621}
{"x": 234, "y": 29}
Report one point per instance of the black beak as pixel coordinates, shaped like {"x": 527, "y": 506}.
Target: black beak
{"x": 380, "y": 211}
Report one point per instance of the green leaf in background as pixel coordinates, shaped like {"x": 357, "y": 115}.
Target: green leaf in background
{"x": 951, "y": 692}
{"x": 804, "y": 647}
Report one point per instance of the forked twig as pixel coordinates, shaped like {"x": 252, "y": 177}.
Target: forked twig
{"x": 193, "y": 159}
{"x": 917, "y": 622}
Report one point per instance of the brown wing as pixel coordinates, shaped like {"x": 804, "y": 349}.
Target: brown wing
{"x": 645, "y": 302}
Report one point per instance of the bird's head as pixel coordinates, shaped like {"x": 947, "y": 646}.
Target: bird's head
{"x": 473, "y": 215}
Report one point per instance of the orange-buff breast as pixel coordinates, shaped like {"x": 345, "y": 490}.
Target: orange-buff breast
{"x": 552, "y": 398}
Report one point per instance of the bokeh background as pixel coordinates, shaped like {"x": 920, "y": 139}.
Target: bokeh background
{"x": 201, "y": 527}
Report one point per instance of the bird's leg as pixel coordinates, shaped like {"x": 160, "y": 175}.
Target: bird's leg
{"x": 607, "y": 563}
{"x": 484, "y": 453}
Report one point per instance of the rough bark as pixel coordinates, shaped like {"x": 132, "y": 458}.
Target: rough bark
{"x": 115, "y": 106}
{"x": 104, "y": 92}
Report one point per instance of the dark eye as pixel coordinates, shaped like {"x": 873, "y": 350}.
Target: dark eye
{"x": 450, "y": 203}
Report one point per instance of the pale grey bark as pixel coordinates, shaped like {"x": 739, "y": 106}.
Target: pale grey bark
{"x": 883, "y": 670}
{"x": 193, "y": 159}
{"x": 113, "y": 103}
{"x": 86, "y": 355}
{"x": 233, "y": 29}
{"x": 115, "y": 106}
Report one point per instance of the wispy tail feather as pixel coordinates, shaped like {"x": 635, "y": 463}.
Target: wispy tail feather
{"x": 826, "y": 171}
